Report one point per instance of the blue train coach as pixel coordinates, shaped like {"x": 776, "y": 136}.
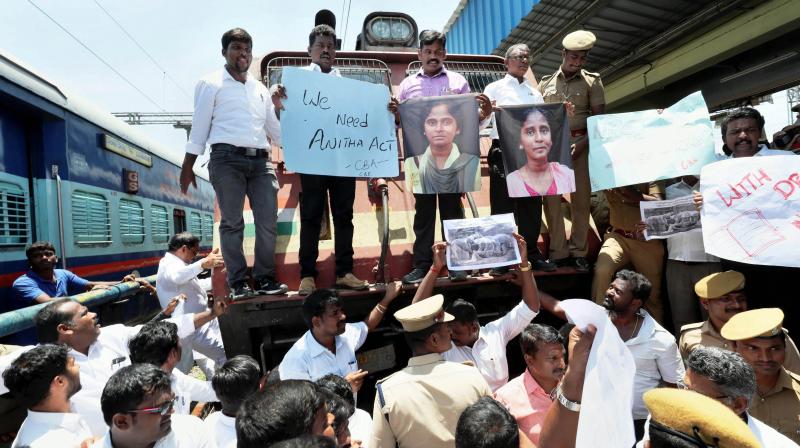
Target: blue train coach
{"x": 105, "y": 195}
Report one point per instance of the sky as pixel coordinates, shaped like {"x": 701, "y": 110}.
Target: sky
{"x": 182, "y": 36}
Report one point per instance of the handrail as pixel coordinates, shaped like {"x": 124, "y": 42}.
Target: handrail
{"x": 14, "y": 321}
{"x": 382, "y": 187}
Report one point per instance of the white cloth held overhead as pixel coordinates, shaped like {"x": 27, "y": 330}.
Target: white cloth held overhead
{"x": 608, "y": 384}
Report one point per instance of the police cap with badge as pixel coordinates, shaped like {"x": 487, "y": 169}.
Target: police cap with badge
{"x": 718, "y": 284}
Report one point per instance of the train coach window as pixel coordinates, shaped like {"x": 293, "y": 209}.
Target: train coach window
{"x": 369, "y": 70}
{"x": 131, "y": 221}
{"x": 179, "y": 220}
{"x": 478, "y": 74}
{"x": 208, "y": 227}
{"x": 159, "y": 224}
{"x": 195, "y": 224}
{"x": 91, "y": 221}
{"x": 14, "y": 230}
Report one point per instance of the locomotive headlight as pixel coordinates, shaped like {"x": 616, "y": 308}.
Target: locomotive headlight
{"x": 401, "y": 30}
{"x": 381, "y": 29}
{"x": 390, "y": 29}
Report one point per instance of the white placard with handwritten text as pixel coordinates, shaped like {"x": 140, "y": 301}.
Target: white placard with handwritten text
{"x": 337, "y": 126}
{"x": 751, "y": 209}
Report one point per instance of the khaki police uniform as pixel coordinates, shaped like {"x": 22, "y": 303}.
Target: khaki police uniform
{"x": 697, "y": 417}
{"x": 584, "y": 89}
{"x": 780, "y": 406}
{"x": 419, "y": 406}
{"x": 622, "y": 247}
{"x": 704, "y": 334}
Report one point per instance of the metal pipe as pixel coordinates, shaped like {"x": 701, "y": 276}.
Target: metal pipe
{"x": 383, "y": 187}
{"x": 472, "y": 205}
{"x": 18, "y": 320}
{"x": 61, "y": 243}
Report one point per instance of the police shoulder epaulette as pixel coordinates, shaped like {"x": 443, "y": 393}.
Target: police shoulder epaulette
{"x": 693, "y": 326}
{"x": 591, "y": 74}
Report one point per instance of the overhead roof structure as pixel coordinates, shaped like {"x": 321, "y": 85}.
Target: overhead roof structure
{"x": 651, "y": 52}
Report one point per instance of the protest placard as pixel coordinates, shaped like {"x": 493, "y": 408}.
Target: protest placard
{"x": 480, "y": 243}
{"x": 751, "y": 209}
{"x": 670, "y": 217}
{"x": 440, "y": 141}
{"x": 337, "y": 126}
{"x": 536, "y": 150}
{"x": 637, "y": 147}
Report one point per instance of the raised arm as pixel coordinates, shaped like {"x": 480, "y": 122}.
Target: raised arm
{"x": 560, "y": 426}
{"x": 551, "y": 304}
{"x": 376, "y": 315}
{"x": 425, "y": 289}
{"x": 524, "y": 279}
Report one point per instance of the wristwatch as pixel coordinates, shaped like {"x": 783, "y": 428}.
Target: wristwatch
{"x": 570, "y": 405}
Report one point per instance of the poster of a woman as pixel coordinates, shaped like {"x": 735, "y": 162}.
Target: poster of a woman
{"x": 542, "y": 165}
{"x": 444, "y": 157}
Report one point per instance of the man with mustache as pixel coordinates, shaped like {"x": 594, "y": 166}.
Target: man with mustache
{"x": 330, "y": 344}
{"x": 722, "y": 296}
{"x": 759, "y": 337}
{"x": 234, "y": 114}
{"x": 654, "y": 350}
{"x": 529, "y": 396}
{"x": 584, "y": 89}
{"x": 43, "y": 380}
{"x": 433, "y": 79}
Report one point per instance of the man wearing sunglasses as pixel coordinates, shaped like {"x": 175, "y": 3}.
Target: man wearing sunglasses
{"x": 726, "y": 377}
{"x": 137, "y": 405}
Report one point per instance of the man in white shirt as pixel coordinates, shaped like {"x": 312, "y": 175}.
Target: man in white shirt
{"x": 98, "y": 353}
{"x": 234, "y": 113}
{"x": 43, "y": 379}
{"x": 514, "y": 89}
{"x": 654, "y": 349}
{"x": 158, "y": 344}
{"x": 330, "y": 344}
{"x": 137, "y": 406}
{"x": 177, "y": 274}
{"x": 485, "y": 346}
{"x": 726, "y": 377}
{"x": 234, "y": 381}
{"x": 687, "y": 262}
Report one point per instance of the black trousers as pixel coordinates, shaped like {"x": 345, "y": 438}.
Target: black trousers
{"x": 342, "y": 193}
{"x": 527, "y": 211}
{"x": 450, "y": 207}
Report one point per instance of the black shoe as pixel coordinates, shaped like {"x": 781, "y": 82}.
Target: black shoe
{"x": 540, "y": 264}
{"x": 415, "y": 276}
{"x": 581, "y": 264}
{"x": 499, "y": 271}
{"x": 269, "y": 286}
{"x": 458, "y": 276}
{"x": 241, "y": 291}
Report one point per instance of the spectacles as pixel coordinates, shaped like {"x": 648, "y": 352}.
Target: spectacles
{"x": 520, "y": 58}
{"x": 162, "y": 409}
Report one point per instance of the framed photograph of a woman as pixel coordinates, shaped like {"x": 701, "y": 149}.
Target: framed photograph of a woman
{"x": 440, "y": 141}
{"x": 542, "y": 164}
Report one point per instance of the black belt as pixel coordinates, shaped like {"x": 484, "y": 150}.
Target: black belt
{"x": 256, "y": 153}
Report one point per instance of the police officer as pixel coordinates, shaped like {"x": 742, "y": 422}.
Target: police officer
{"x": 584, "y": 89}
{"x": 420, "y": 405}
{"x": 722, "y": 295}
{"x": 686, "y": 419}
{"x": 759, "y": 337}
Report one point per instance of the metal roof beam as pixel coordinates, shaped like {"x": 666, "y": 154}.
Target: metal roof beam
{"x": 749, "y": 29}
{"x": 577, "y": 20}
